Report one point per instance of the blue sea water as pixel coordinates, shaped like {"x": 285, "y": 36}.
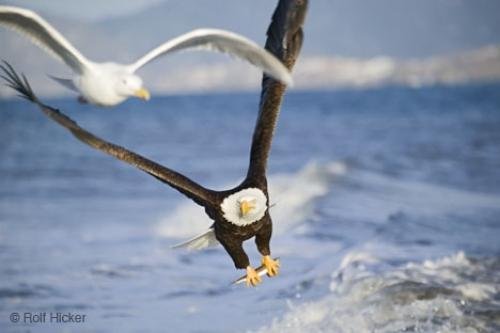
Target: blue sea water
{"x": 387, "y": 214}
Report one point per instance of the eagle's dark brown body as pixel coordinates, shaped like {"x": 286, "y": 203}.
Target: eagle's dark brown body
{"x": 232, "y": 236}
{"x": 284, "y": 40}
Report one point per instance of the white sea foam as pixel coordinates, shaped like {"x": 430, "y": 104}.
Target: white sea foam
{"x": 433, "y": 296}
{"x": 291, "y": 195}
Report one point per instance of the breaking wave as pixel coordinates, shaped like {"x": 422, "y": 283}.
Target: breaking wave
{"x": 451, "y": 294}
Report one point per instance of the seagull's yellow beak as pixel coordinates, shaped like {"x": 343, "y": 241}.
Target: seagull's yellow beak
{"x": 246, "y": 206}
{"x": 142, "y": 94}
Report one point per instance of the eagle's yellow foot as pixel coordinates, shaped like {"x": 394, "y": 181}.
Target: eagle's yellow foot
{"x": 253, "y": 278}
{"x": 272, "y": 266}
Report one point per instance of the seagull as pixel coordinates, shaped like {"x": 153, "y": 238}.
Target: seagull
{"x": 238, "y": 213}
{"x": 110, "y": 83}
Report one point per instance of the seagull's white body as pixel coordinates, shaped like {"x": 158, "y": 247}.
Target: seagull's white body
{"x": 108, "y": 84}
{"x": 98, "y": 84}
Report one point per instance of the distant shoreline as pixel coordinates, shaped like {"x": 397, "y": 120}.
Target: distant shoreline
{"x": 313, "y": 73}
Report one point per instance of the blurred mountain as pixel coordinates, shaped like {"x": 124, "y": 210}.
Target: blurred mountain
{"x": 481, "y": 65}
{"x": 348, "y": 43}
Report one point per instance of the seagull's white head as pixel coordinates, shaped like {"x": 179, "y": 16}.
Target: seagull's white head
{"x": 130, "y": 85}
{"x": 109, "y": 84}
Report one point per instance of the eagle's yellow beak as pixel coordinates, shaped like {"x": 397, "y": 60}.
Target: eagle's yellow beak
{"x": 246, "y": 206}
{"x": 142, "y": 94}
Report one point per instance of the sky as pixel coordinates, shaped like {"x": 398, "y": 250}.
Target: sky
{"x": 88, "y": 9}
{"x": 356, "y": 30}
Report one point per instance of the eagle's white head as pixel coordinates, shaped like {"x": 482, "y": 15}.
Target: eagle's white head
{"x": 244, "y": 207}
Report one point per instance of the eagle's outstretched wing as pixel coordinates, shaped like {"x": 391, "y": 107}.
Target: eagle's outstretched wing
{"x": 183, "y": 184}
{"x": 284, "y": 40}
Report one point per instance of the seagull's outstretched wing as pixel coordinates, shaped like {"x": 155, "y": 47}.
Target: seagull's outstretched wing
{"x": 284, "y": 40}
{"x": 221, "y": 41}
{"x": 44, "y": 35}
{"x": 183, "y": 184}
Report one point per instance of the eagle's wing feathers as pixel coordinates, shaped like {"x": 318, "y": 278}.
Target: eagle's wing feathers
{"x": 183, "y": 184}
{"x": 284, "y": 40}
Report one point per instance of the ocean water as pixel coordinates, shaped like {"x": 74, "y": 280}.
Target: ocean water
{"x": 386, "y": 214}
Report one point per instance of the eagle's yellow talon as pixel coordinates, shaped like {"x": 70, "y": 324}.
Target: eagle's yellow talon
{"x": 253, "y": 278}
{"x": 272, "y": 266}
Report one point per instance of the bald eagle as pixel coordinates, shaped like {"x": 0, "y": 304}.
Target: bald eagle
{"x": 238, "y": 213}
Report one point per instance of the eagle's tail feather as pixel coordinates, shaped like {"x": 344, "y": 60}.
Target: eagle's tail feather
{"x": 203, "y": 241}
